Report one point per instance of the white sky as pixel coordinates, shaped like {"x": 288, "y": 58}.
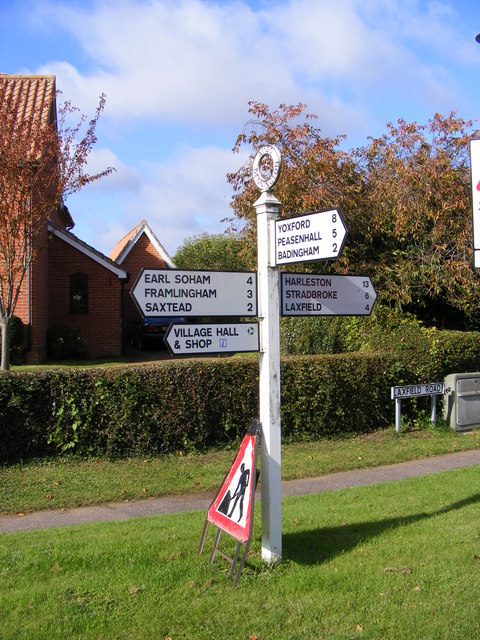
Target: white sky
{"x": 178, "y": 76}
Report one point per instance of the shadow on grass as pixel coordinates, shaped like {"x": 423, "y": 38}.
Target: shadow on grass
{"x": 320, "y": 545}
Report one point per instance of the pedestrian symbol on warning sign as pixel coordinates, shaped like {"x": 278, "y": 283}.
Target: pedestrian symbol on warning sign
{"x": 230, "y": 501}
{"x": 239, "y": 494}
{"x": 231, "y": 508}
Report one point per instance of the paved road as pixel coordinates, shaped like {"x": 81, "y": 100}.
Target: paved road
{"x": 155, "y": 506}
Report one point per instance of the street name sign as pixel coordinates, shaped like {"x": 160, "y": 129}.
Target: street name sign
{"x": 316, "y": 236}
{"x": 416, "y": 390}
{"x": 173, "y": 292}
{"x": 195, "y": 339}
{"x": 308, "y": 294}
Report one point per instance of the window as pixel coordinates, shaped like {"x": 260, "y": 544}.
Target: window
{"x": 79, "y": 293}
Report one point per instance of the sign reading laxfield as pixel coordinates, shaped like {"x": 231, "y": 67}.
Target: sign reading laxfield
{"x": 416, "y": 390}
{"x": 308, "y": 294}
{"x": 171, "y": 292}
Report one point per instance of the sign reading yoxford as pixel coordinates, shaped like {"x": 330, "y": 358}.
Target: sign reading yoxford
{"x": 171, "y": 292}
{"x": 316, "y": 236}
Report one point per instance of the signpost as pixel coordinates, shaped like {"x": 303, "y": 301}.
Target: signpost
{"x": 316, "y": 236}
{"x": 172, "y": 292}
{"x": 193, "y": 339}
{"x": 267, "y": 209}
{"x": 307, "y": 294}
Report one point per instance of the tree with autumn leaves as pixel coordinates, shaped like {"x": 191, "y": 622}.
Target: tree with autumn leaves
{"x": 42, "y": 162}
{"x": 405, "y": 197}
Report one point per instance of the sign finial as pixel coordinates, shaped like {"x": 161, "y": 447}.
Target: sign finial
{"x": 266, "y": 167}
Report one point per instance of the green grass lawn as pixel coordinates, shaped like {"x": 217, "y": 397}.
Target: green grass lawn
{"x": 70, "y": 482}
{"x": 389, "y": 561}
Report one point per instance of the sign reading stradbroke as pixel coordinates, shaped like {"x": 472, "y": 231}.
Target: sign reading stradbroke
{"x": 191, "y": 339}
{"x": 316, "y": 236}
{"x": 172, "y": 292}
{"x": 308, "y": 294}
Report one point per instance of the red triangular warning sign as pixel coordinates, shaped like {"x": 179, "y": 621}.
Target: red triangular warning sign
{"x": 232, "y": 509}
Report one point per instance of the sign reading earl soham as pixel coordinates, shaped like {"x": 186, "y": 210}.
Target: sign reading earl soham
{"x": 172, "y": 292}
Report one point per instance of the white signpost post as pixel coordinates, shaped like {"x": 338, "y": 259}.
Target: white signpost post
{"x": 172, "y": 292}
{"x": 193, "y": 339}
{"x": 266, "y": 169}
{"x": 315, "y": 236}
{"x": 308, "y": 294}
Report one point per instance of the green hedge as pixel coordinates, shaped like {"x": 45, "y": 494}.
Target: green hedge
{"x": 185, "y": 405}
{"x": 190, "y": 405}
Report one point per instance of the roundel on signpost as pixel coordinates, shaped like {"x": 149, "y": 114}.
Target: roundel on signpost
{"x": 266, "y": 167}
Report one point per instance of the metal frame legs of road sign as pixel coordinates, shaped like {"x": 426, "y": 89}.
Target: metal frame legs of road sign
{"x": 216, "y": 549}
{"x": 267, "y": 209}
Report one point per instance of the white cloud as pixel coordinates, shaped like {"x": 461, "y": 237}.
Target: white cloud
{"x": 172, "y": 69}
{"x": 124, "y": 177}
{"x": 199, "y": 62}
{"x": 187, "y": 195}
{"x": 182, "y": 197}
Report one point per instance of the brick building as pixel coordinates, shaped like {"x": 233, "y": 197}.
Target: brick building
{"x": 139, "y": 248}
{"x": 70, "y": 285}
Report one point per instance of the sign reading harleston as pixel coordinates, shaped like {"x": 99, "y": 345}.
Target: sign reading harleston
{"x": 172, "y": 292}
{"x": 316, "y": 236}
{"x": 309, "y": 294}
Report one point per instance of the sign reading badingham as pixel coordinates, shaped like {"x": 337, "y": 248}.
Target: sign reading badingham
{"x": 316, "y": 236}
{"x": 173, "y": 292}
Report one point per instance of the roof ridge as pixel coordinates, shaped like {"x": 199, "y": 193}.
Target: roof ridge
{"x": 53, "y": 226}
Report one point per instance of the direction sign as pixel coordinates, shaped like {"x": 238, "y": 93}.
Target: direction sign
{"x": 172, "y": 292}
{"x": 308, "y": 294}
{"x": 316, "y": 236}
{"x": 194, "y": 339}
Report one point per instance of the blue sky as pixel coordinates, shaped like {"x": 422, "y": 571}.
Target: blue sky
{"x": 178, "y": 76}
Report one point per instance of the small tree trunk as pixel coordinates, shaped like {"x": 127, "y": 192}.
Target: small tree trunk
{"x": 5, "y": 326}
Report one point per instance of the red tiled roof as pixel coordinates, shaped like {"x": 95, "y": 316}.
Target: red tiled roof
{"x": 121, "y": 244}
{"x": 125, "y": 245}
{"x": 32, "y": 98}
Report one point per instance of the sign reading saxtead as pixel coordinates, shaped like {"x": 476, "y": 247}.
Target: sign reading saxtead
{"x": 172, "y": 292}
{"x": 308, "y": 294}
{"x": 316, "y": 236}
